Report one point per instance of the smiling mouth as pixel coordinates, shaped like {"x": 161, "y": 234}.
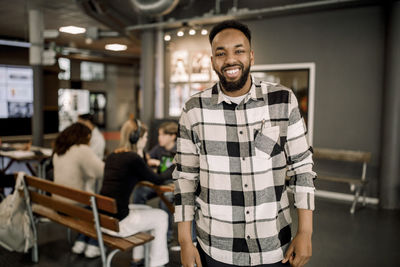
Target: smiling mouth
{"x": 232, "y": 73}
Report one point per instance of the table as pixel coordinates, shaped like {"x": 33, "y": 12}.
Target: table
{"x": 36, "y": 154}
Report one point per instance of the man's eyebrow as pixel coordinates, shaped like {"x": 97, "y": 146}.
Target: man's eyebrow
{"x": 223, "y": 48}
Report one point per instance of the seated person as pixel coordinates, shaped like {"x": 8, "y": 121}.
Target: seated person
{"x": 77, "y": 166}
{"x": 123, "y": 170}
{"x": 163, "y": 153}
{"x": 161, "y": 156}
{"x": 97, "y": 142}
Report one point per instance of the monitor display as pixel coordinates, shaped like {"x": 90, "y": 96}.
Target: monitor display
{"x": 71, "y": 103}
{"x": 16, "y": 92}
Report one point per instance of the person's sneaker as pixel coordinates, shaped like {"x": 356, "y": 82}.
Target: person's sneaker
{"x": 79, "y": 247}
{"x": 92, "y": 251}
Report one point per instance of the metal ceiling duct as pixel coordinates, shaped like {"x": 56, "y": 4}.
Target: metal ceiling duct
{"x": 155, "y": 8}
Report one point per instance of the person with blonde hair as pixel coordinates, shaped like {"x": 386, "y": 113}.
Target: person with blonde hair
{"x": 124, "y": 168}
{"x": 161, "y": 157}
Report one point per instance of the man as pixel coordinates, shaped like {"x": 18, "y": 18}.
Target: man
{"x": 97, "y": 142}
{"x": 236, "y": 143}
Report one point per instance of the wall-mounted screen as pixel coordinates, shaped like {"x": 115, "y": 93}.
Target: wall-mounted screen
{"x": 71, "y": 103}
{"x": 16, "y": 92}
{"x": 91, "y": 71}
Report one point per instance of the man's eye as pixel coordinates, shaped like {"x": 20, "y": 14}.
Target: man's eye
{"x": 239, "y": 51}
{"x": 219, "y": 54}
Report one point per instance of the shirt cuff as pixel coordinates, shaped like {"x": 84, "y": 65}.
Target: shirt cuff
{"x": 184, "y": 213}
{"x": 304, "y": 200}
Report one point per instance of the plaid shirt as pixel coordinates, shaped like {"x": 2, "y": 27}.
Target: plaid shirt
{"x": 231, "y": 166}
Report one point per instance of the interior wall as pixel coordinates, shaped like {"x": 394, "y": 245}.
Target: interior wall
{"x": 347, "y": 46}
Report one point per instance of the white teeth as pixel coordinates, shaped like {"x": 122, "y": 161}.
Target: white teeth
{"x": 232, "y": 71}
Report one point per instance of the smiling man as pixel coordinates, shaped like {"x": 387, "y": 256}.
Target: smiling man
{"x": 237, "y": 142}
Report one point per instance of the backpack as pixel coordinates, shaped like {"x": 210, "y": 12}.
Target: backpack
{"x": 16, "y": 230}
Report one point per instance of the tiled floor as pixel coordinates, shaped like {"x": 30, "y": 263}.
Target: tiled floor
{"x": 368, "y": 238}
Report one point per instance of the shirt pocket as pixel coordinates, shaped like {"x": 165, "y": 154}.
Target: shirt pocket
{"x": 266, "y": 142}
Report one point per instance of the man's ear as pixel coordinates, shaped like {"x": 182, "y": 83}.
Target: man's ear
{"x": 251, "y": 58}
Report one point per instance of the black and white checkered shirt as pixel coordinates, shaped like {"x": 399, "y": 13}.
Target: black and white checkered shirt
{"x": 231, "y": 166}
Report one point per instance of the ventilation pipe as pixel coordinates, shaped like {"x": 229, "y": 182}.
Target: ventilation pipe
{"x": 157, "y": 8}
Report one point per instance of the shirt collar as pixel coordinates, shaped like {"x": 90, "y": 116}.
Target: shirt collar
{"x": 255, "y": 93}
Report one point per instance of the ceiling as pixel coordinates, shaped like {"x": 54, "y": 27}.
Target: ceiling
{"x": 123, "y": 17}
{"x": 14, "y": 25}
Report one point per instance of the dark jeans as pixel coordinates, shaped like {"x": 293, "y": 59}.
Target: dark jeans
{"x": 207, "y": 261}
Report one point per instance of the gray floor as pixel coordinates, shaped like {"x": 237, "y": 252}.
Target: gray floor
{"x": 368, "y": 238}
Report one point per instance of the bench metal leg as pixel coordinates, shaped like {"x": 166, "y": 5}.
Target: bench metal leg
{"x": 356, "y": 196}
{"x": 110, "y": 256}
{"x": 364, "y": 196}
{"x": 147, "y": 254}
{"x": 35, "y": 253}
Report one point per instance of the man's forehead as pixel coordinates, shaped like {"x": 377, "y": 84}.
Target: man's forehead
{"x": 229, "y": 37}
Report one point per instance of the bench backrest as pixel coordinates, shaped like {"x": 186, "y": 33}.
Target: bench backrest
{"x": 342, "y": 155}
{"x": 37, "y": 187}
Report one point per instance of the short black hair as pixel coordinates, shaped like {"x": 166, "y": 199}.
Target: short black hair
{"x": 86, "y": 116}
{"x": 230, "y": 24}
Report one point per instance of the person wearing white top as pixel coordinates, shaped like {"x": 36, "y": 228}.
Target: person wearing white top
{"x": 97, "y": 141}
{"x": 77, "y": 166}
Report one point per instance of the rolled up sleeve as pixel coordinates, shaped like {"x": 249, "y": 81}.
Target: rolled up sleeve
{"x": 299, "y": 159}
{"x": 186, "y": 173}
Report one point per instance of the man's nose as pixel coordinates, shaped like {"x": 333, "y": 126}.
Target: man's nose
{"x": 230, "y": 59}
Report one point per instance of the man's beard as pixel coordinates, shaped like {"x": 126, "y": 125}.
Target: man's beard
{"x": 236, "y": 85}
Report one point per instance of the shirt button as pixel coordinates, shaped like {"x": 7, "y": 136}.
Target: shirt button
{"x": 247, "y": 212}
{"x": 248, "y": 237}
{"x": 245, "y": 185}
{"x": 241, "y": 132}
{"x": 243, "y": 158}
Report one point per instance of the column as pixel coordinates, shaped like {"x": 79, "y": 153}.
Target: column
{"x": 390, "y": 156}
{"x": 36, "y": 29}
{"x": 147, "y": 77}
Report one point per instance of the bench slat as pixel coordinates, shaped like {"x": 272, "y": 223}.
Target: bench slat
{"x": 88, "y": 229}
{"x": 342, "y": 155}
{"x": 74, "y": 210}
{"x": 103, "y": 203}
{"x": 340, "y": 179}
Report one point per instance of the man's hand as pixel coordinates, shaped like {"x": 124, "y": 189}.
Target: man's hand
{"x": 300, "y": 250}
{"x": 190, "y": 255}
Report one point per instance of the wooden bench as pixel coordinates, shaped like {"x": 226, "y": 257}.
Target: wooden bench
{"x": 357, "y": 184}
{"x": 82, "y": 220}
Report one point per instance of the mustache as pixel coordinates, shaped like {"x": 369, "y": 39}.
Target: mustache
{"x": 240, "y": 65}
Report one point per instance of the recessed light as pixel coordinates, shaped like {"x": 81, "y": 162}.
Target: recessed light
{"x": 116, "y": 47}
{"x": 180, "y": 33}
{"x": 204, "y": 31}
{"x": 192, "y": 32}
{"x": 72, "y": 29}
{"x": 167, "y": 37}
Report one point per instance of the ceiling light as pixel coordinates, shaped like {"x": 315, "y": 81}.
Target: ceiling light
{"x": 167, "y": 37}
{"x": 204, "y": 32}
{"x": 116, "y": 47}
{"x": 72, "y": 29}
{"x": 192, "y": 32}
{"x": 180, "y": 33}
